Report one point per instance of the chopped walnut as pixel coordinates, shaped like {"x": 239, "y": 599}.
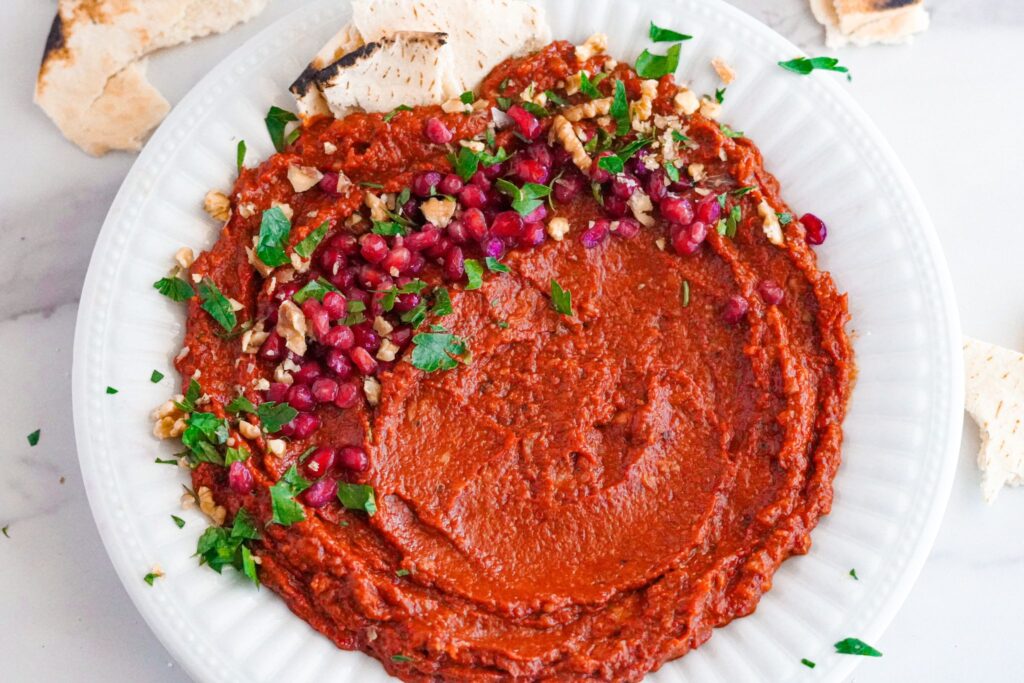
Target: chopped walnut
{"x": 558, "y": 228}
{"x": 696, "y": 172}
{"x": 254, "y": 260}
{"x": 709, "y": 108}
{"x": 291, "y": 324}
{"x": 218, "y": 205}
{"x": 438, "y": 211}
{"x": 299, "y": 264}
{"x": 456, "y": 106}
{"x": 209, "y": 506}
{"x": 378, "y": 209}
{"x": 563, "y": 132}
{"x": 286, "y": 209}
{"x": 588, "y": 110}
{"x": 643, "y": 108}
{"x": 686, "y": 102}
{"x": 303, "y": 178}
{"x": 594, "y": 45}
{"x": 382, "y": 326}
{"x": 169, "y": 419}
{"x": 184, "y": 257}
{"x": 247, "y": 210}
{"x": 276, "y": 446}
{"x": 330, "y": 148}
{"x": 724, "y": 71}
{"x": 248, "y": 430}
{"x": 474, "y": 145}
{"x": 770, "y": 223}
{"x": 283, "y": 371}
{"x": 573, "y": 83}
{"x": 253, "y": 338}
{"x": 641, "y": 207}
{"x": 371, "y": 387}
{"x": 387, "y": 351}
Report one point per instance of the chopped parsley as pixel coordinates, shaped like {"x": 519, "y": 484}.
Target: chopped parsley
{"x": 561, "y": 299}
{"x": 684, "y": 293}
{"x": 178, "y": 521}
{"x": 273, "y": 416}
{"x": 655, "y": 66}
{"x": 495, "y": 266}
{"x": 233, "y": 455}
{"x": 156, "y": 377}
{"x": 174, "y": 288}
{"x": 356, "y": 314}
{"x": 467, "y": 162}
{"x": 620, "y": 109}
{"x": 217, "y": 305}
{"x": 534, "y": 109}
{"x": 416, "y": 315}
{"x": 218, "y": 547}
{"x": 111, "y": 390}
{"x": 732, "y": 221}
{"x": 467, "y": 97}
{"x": 310, "y": 242}
{"x": 679, "y": 137}
{"x": 203, "y": 436}
{"x": 525, "y": 199}
{"x": 387, "y": 302}
{"x": 161, "y": 461}
{"x": 192, "y": 393}
{"x": 402, "y": 572}
{"x": 240, "y": 155}
{"x": 151, "y": 577}
{"x": 286, "y": 509}
{"x": 856, "y": 646}
{"x": 853, "y": 573}
{"x": 808, "y": 663}
{"x": 556, "y": 98}
{"x": 394, "y": 112}
{"x": 805, "y": 65}
{"x": 274, "y": 231}
{"x": 672, "y": 172}
{"x": 720, "y": 95}
{"x": 474, "y": 274}
{"x": 785, "y": 218}
{"x": 438, "y": 350}
{"x": 4, "y": 530}
{"x": 314, "y": 289}
{"x": 375, "y": 186}
{"x": 611, "y": 163}
{"x": 740, "y": 191}
{"x": 357, "y": 497}
{"x": 401, "y": 658}
{"x": 665, "y": 35}
{"x": 277, "y": 119}
{"x": 240, "y": 404}
{"x": 442, "y": 302}
{"x": 388, "y": 228}
{"x": 588, "y": 85}
{"x": 729, "y": 132}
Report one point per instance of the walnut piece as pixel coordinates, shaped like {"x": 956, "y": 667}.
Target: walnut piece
{"x": 291, "y": 324}
{"x": 169, "y": 419}
{"x": 438, "y": 211}
{"x": 217, "y": 205}
{"x": 303, "y": 178}
{"x": 209, "y": 506}
{"x": 558, "y": 228}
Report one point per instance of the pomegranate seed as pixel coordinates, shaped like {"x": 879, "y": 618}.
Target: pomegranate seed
{"x": 657, "y": 186}
{"x": 435, "y": 131}
{"x": 329, "y": 183}
{"x": 240, "y": 478}
{"x": 424, "y": 184}
{"x": 308, "y": 372}
{"x": 300, "y": 397}
{"x": 425, "y": 238}
{"x": 815, "y": 228}
{"x": 537, "y": 215}
{"x": 686, "y": 239}
{"x": 416, "y": 265}
{"x": 475, "y": 224}
{"x": 595, "y": 234}
{"x": 457, "y": 232}
{"x": 373, "y": 247}
{"x": 305, "y": 425}
{"x": 411, "y": 209}
{"x": 324, "y": 390}
{"x": 339, "y": 337}
{"x": 440, "y": 247}
{"x": 508, "y": 225}
{"x": 406, "y": 302}
{"x": 338, "y": 363}
{"x": 320, "y": 493}
{"x": 319, "y": 323}
{"x": 332, "y": 261}
{"x": 276, "y": 392}
{"x": 623, "y": 186}
{"x": 735, "y": 308}
{"x": 362, "y": 359}
{"x": 540, "y": 152}
{"x": 627, "y": 228}
{"x": 318, "y": 463}
{"x": 374, "y": 278}
{"x": 771, "y": 292}
{"x": 344, "y": 242}
{"x": 343, "y": 279}
{"x": 366, "y": 337}
{"x": 615, "y": 207}
{"x": 530, "y": 170}
{"x": 636, "y": 165}
{"x": 493, "y": 247}
{"x": 286, "y": 291}
{"x": 480, "y": 181}
{"x": 454, "y": 265}
{"x": 527, "y": 123}
{"x": 598, "y": 174}
{"x": 678, "y": 210}
{"x": 396, "y": 261}
{"x": 493, "y": 171}
{"x": 450, "y": 185}
{"x": 401, "y": 335}
{"x": 533, "y": 234}
{"x": 348, "y": 395}
{"x": 473, "y": 197}
{"x": 353, "y": 458}
{"x": 709, "y": 210}
{"x": 273, "y": 348}
{"x": 566, "y": 188}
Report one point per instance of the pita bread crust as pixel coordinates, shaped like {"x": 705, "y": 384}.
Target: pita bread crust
{"x": 995, "y": 400}
{"x": 310, "y": 100}
{"x": 865, "y": 22}
{"x": 410, "y": 67}
{"x": 90, "y": 67}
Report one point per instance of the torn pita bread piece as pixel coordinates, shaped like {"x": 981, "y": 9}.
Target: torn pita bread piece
{"x": 480, "y": 35}
{"x": 865, "y": 22}
{"x": 995, "y": 399}
{"x": 92, "y": 82}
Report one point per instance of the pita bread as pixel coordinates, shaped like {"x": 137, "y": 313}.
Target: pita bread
{"x": 92, "y": 82}
{"x": 995, "y": 399}
{"x": 480, "y": 34}
{"x": 865, "y": 22}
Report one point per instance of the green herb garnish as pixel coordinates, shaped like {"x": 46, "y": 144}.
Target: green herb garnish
{"x": 438, "y": 350}
{"x": 808, "y": 663}
{"x": 655, "y": 66}
{"x": 314, "y": 289}
{"x": 217, "y": 305}
{"x": 467, "y": 97}
{"x": 357, "y": 497}
{"x": 679, "y": 137}
{"x": 588, "y": 85}
{"x": 525, "y": 199}
{"x": 277, "y": 120}
{"x": 111, "y": 390}
{"x": 620, "y": 109}
{"x": 233, "y": 455}
{"x": 274, "y": 231}
{"x": 442, "y": 302}
{"x": 556, "y": 98}
{"x": 178, "y": 521}
{"x": 720, "y": 95}
{"x": 665, "y": 35}
{"x": 467, "y": 162}
{"x": 161, "y": 461}
{"x": 203, "y": 436}
{"x": 156, "y": 377}
{"x": 287, "y": 510}
{"x": 856, "y": 646}
{"x": 402, "y": 572}
{"x": 495, "y": 266}
{"x": 192, "y": 393}
{"x": 240, "y": 155}
{"x": 740, "y": 191}
{"x": 310, "y": 242}
{"x": 394, "y": 112}
{"x": 33, "y": 438}
{"x": 273, "y": 416}
{"x": 387, "y": 228}
{"x": 151, "y": 577}
{"x": 853, "y": 573}
{"x": 218, "y": 547}
{"x": 240, "y": 404}
{"x": 729, "y": 132}
{"x": 785, "y": 218}
{"x": 805, "y": 65}
{"x": 174, "y": 288}
{"x": 401, "y": 658}
{"x": 684, "y": 293}
{"x": 672, "y": 172}
{"x": 561, "y": 299}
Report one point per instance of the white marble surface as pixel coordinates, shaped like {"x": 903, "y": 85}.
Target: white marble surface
{"x": 949, "y": 105}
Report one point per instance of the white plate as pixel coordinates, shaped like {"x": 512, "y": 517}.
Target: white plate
{"x": 901, "y": 433}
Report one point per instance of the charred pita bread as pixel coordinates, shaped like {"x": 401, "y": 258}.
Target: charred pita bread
{"x": 995, "y": 399}
{"x": 92, "y": 81}
{"x": 864, "y": 22}
{"x": 480, "y": 34}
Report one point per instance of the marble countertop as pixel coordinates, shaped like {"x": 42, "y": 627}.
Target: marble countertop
{"x": 67, "y": 616}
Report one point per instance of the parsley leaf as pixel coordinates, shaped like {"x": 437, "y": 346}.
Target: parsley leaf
{"x": 467, "y": 97}
{"x": 274, "y": 231}
{"x": 672, "y": 172}
{"x": 665, "y": 35}
{"x": 273, "y": 416}
{"x": 388, "y": 228}
{"x": 355, "y": 315}
{"x": 401, "y": 658}
{"x": 111, "y": 390}
{"x": 156, "y": 376}
{"x": 808, "y": 663}
{"x": 655, "y": 66}
{"x": 620, "y": 109}
{"x": 853, "y": 573}
{"x": 856, "y": 646}
{"x": 217, "y": 305}
{"x": 178, "y": 521}
{"x": 357, "y": 497}
{"x": 804, "y": 65}
{"x": 287, "y": 510}
{"x": 588, "y": 86}
{"x": 314, "y": 289}
{"x": 437, "y": 350}
{"x": 33, "y": 438}
{"x": 556, "y": 98}
{"x": 525, "y": 199}
{"x": 720, "y": 95}
{"x": 785, "y": 218}
{"x": 495, "y": 266}
{"x": 611, "y": 163}
{"x": 729, "y": 132}
{"x": 277, "y": 119}
{"x": 240, "y": 404}
{"x": 192, "y": 393}
{"x": 151, "y": 577}
{"x": 561, "y": 299}
{"x": 203, "y": 435}
{"x": 218, "y": 547}
{"x": 740, "y": 191}
{"x": 474, "y": 274}
{"x": 402, "y": 572}
{"x": 442, "y": 302}
{"x": 174, "y": 288}
{"x": 535, "y": 109}
{"x": 732, "y": 222}
{"x": 233, "y": 455}
{"x": 394, "y": 112}
{"x": 240, "y": 155}
{"x": 161, "y": 461}
{"x": 679, "y": 137}
{"x": 310, "y": 242}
